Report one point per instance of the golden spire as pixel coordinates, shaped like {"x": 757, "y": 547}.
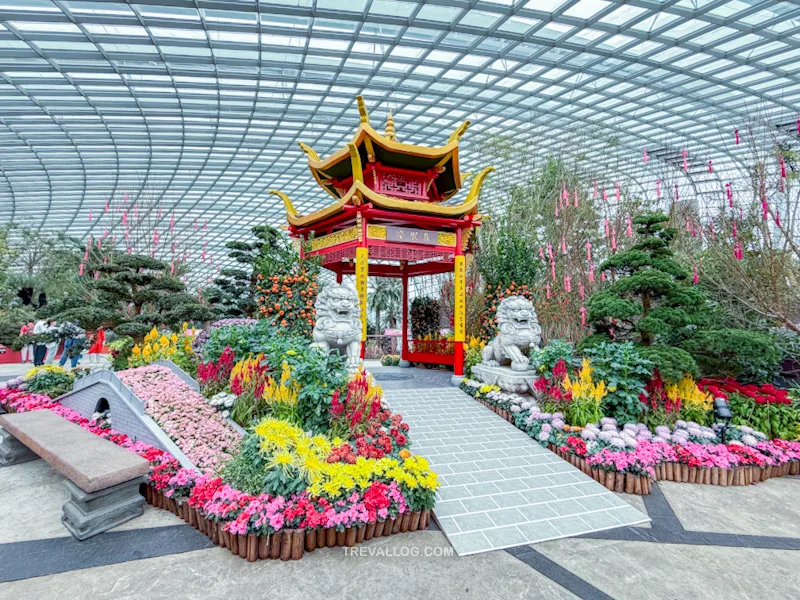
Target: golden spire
{"x": 362, "y": 110}
{"x": 390, "y": 132}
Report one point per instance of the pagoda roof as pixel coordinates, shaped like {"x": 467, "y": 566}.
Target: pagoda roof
{"x": 374, "y": 146}
{"x": 359, "y": 193}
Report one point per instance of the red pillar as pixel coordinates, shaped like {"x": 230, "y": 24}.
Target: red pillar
{"x": 339, "y": 277}
{"x": 404, "y": 331}
{"x": 458, "y": 345}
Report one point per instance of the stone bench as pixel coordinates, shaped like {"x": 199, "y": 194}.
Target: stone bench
{"x": 102, "y": 478}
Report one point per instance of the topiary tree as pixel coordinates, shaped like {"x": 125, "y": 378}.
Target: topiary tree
{"x": 648, "y": 302}
{"x": 132, "y": 294}
{"x": 234, "y": 293}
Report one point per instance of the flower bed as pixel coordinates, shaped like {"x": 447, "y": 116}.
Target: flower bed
{"x": 197, "y": 428}
{"x": 630, "y": 458}
{"x": 358, "y": 498}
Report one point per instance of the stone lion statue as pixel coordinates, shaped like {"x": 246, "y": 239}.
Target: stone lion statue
{"x": 339, "y": 322}
{"x": 518, "y": 328}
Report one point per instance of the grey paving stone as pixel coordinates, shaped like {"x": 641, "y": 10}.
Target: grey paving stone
{"x": 565, "y": 492}
{"x": 537, "y": 532}
{"x": 510, "y": 499}
{"x": 566, "y": 507}
{"x": 454, "y": 492}
{"x": 470, "y": 543}
{"x": 573, "y": 525}
{"x": 505, "y": 537}
{"x": 600, "y": 520}
{"x": 448, "y": 509}
{"x": 598, "y": 502}
{"x": 538, "y": 495}
{"x": 473, "y": 521}
{"x": 511, "y": 485}
{"x": 538, "y": 512}
{"x": 480, "y": 504}
{"x": 506, "y": 516}
{"x": 485, "y": 489}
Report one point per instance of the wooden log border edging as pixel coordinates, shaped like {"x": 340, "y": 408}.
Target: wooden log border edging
{"x": 287, "y": 544}
{"x": 678, "y": 472}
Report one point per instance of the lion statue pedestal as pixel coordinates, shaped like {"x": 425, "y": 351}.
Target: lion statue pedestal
{"x": 339, "y": 323}
{"x": 518, "y": 328}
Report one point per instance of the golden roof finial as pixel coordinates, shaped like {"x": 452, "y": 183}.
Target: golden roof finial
{"x": 362, "y": 110}
{"x": 390, "y": 132}
{"x": 456, "y": 135}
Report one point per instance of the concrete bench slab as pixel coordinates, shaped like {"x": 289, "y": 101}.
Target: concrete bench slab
{"x": 102, "y": 478}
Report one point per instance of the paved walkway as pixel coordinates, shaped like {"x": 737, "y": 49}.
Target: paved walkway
{"x": 500, "y": 488}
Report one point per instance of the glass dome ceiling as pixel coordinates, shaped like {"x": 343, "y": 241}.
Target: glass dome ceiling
{"x": 201, "y": 103}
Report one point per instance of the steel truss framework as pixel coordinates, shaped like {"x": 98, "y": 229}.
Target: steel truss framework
{"x": 202, "y": 102}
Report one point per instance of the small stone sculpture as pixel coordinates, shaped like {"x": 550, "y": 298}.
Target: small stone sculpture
{"x": 518, "y": 328}
{"x": 339, "y": 322}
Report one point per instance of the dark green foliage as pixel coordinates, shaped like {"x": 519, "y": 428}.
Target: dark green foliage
{"x": 424, "y": 317}
{"x": 244, "y": 340}
{"x": 592, "y": 340}
{"x": 672, "y": 363}
{"x": 626, "y": 372}
{"x": 749, "y": 356}
{"x": 549, "y": 356}
{"x": 234, "y": 291}
{"x": 647, "y": 300}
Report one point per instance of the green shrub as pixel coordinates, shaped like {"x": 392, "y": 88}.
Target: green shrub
{"x": 626, "y": 373}
{"x": 672, "y": 363}
{"x": 749, "y": 356}
{"x": 775, "y": 420}
{"x": 242, "y": 339}
{"x": 556, "y": 350}
{"x": 390, "y": 360}
{"x": 473, "y": 357}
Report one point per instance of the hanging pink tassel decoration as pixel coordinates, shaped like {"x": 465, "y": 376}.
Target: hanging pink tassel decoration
{"x": 685, "y": 162}
{"x": 677, "y": 196}
{"x": 125, "y": 197}
{"x": 711, "y": 229}
{"x": 594, "y": 194}
{"x": 553, "y": 270}
{"x": 203, "y": 256}
{"x": 105, "y": 260}
{"x": 591, "y": 272}
{"x": 605, "y": 195}
{"x": 658, "y": 188}
{"x": 549, "y": 250}
{"x": 612, "y": 333}
{"x": 581, "y": 291}
{"x": 541, "y": 253}
{"x": 172, "y": 223}
{"x": 783, "y": 167}
{"x": 645, "y": 156}
{"x": 90, "y": 214}
{"x": 613, "y": 240}
{"x": 729, "y": 193}
{"x": 547, "y": 287}
{"x": 563, "y": 244}
{"x": 567, "y": 283}
{"x": 741, "y": 216}
{"x": 86, "y": 254}
{"x": 778, "y": 217}
{"x": 733, "y": 229}
{"x": 125, "y": 218}
{"x": 629, "y": 227}
{"x": 172, "y": 268}
{"x": 737, "y": 251}
{"x": 602, "y": 275}
{"x": 608, "y": 231}
{"x": 80, "y": 270}
{"x": 764, "y": 209}
{"x": 736, "y": 134}
{"x": 688, "y": 227}
{"x": 798, "y": 126}
{"x": 583, "y": 316}
{"x": 694, "y": 231}
{"x": 710, "y": 168}
{"x": 105, "y": 233}
{"x": 695, "y": 278}
{"x": 589, "y": 251}
{"x": 616, "y": 189}
{"x": 105, "y": 208}
{"x": 127, "y": 234}
{"x": 564, "y": 192}
{"x": 556, "y": 208}
{"x": 96, "y": 275}
{"x": 205, "y": 226}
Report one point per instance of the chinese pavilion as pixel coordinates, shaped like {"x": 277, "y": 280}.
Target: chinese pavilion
{"x": 394, "y": 214}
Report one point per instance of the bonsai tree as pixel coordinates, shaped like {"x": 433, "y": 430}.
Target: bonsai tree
{"x": 648, "y": 301}
{"x": 134, "y": 293}
{"x": 234, "y": 292}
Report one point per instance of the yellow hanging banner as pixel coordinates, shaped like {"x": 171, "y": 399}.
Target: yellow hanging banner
{"x": 459, "y": 305}
{"x": 362, "y": 272}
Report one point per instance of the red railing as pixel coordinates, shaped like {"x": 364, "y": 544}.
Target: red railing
{"x": 434, "y": 352}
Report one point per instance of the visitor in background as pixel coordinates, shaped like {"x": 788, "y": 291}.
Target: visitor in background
{"x": 52, "y": 347}
{"x": 68, "y": 343}
{"x": 97, "y": 346}
{"x": 39, "y": 349}
{"x": 27, "y": 349}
